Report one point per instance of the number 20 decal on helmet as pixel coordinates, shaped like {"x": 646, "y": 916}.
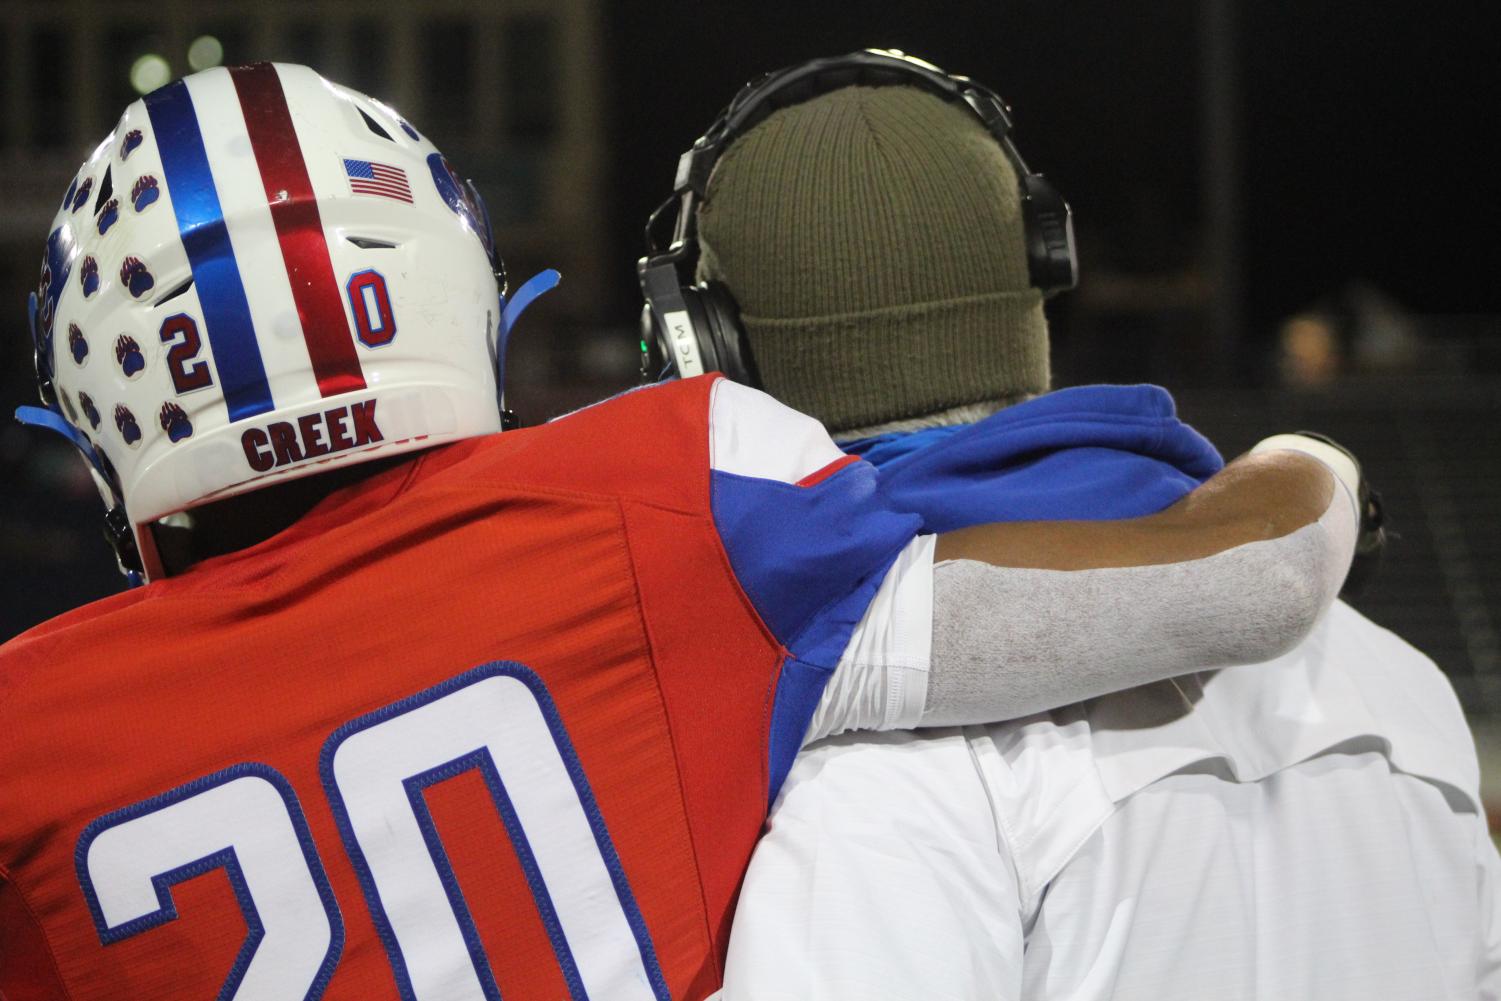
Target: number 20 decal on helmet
{"x": 267, "y": 304}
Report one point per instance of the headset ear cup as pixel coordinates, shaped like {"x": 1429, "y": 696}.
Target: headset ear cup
{"x": 731, "y": 347}
{"x": 673, "y": 321}
{"x": 1052, "y": 261}
{"x": 703, "y": 328}
{"x": 653, "y": 352}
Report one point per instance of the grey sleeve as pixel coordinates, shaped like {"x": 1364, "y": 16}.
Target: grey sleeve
{"x": 1009, "y": 642}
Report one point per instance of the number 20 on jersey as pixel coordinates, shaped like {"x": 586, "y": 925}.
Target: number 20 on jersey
{"x": 497, "y": 720}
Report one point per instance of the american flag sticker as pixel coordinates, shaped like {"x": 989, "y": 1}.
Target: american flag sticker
{"x": 379, "y": 179}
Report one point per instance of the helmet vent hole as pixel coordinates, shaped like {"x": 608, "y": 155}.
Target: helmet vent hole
{"x": 175, "y": 292}
{"x": 366, "y": 243}
{"x": 106, "y": 190}
{"x": 374, "y": 126}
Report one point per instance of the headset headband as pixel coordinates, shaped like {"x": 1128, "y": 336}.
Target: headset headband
{"x": 792, "y": 85}
{"x": 696, "y": 327}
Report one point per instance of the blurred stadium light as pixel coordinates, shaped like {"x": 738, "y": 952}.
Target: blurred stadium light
{"x": 510, "y": 91}
{"x": 205, "y": 51}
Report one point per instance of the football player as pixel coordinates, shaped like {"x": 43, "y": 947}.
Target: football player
{"x": 410, "y": 708}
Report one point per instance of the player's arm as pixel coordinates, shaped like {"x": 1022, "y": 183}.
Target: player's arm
{"x": 1031, "y": 616}
{"x": 1258, "y": 497}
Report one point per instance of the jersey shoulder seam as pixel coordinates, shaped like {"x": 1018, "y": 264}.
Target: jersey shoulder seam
{"x": 703, "y": 902}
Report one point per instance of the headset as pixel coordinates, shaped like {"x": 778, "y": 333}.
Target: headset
{"x": 689, "y": 327}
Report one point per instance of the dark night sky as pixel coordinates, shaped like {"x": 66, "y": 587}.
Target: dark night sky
{"x": 1366, "y": 125}
{"x": 1367, "y": 132}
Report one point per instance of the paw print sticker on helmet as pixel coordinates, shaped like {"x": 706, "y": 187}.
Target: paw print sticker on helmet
{"x": 125, "y": 423}
{"x": 88, "y": 276}
{"x": 128, "y": 354}
{"x": 461, "y": 196}
{"x": 129, "y": 143}
{"x": 108, "y": 215}
{"x": 82, "y": 194}
{"x": 77, "y": 345}
{"x": 144, "y": 193}
{"x": 174, "y": 421}
{"x": 86, "y": 402}
{"x": 56, "y": 270}
{"x": 134, "y": 276}
{"x": 44, "y": 281}
{"x": 45, "y": 299}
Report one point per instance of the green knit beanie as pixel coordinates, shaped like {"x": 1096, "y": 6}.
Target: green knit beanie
{"x": 873, "y": 239}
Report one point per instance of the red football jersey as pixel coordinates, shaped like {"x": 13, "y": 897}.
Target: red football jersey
{"x": 500, "y": 722}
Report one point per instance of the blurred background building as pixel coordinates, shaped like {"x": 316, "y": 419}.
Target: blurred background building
{"x": 1285, "y": 212}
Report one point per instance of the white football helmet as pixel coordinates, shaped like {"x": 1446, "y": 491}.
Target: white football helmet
{"x": 257, "y": 276}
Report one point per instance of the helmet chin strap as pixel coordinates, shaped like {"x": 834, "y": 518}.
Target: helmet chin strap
{"x": 530, "y": 291}
{"x": 117, "y": 528}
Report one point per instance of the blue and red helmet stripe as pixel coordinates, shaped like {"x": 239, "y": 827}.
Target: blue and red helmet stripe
{"x": 299, "y": 229}
{"x": 216, "y": 274}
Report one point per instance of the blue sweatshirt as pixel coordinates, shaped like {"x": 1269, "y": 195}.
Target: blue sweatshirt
{"x": 1088, "y": 453}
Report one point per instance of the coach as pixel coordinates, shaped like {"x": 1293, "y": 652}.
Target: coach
{"x": 1307, "y": 827}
